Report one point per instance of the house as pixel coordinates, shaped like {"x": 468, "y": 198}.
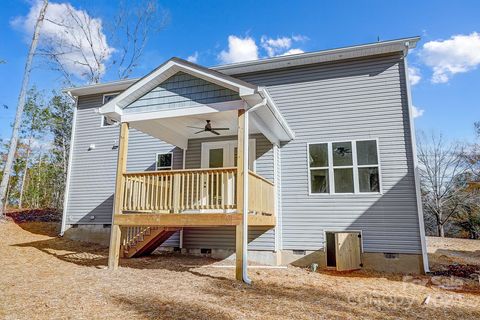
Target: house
{"x": 307, "y": 158}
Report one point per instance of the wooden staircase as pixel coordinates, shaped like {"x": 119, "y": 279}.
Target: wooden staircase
{"x": 138, "y": 241}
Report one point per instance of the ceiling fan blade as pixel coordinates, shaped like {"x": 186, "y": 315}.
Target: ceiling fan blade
{"x": 215, "y": 132}
{"x": 220, "y": 128}
{"x": 199, "y": 131}
{"x": 195, "y": 127}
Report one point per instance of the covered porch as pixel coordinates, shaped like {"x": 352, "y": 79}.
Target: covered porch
{"x": 177, "y": 103}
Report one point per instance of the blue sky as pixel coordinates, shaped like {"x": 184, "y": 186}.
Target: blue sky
{"x": 449, "y": 99}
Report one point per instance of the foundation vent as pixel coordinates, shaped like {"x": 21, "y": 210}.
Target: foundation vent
{"x": 391, "y": 256}
{"x": 299, "y": 252}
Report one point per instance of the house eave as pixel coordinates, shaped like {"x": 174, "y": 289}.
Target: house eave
{"x": 383, "y": 47}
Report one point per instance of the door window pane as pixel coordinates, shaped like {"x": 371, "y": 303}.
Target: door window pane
{"x": 164, "y": 161}
{"x": 215, "y": 158}
{"x": 319, "y": 181}
{"x": 318, "y": 155}
{"x": 343, "y": 180}
{"x": 367, "y": 152}
{"x": 368, "y": 180}
{"x": 342, "y": 153}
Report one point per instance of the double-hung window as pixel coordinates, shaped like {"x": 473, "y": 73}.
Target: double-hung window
{"x": 344, "y": 167}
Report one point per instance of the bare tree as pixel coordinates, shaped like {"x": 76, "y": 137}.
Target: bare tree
{"x": 81, "y": 43}
{"x": 441, "y": 170}
{"x": 20, "y": 106}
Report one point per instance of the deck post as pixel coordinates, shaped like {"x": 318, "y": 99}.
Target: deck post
{"x": 115, "y": 235}
{"x": 242, "y": 175}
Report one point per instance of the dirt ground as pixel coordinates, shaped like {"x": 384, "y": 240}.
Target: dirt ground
{"x": 46, "y": 277}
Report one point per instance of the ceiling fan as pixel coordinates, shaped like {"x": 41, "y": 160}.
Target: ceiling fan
{"x": 208, "y": 128}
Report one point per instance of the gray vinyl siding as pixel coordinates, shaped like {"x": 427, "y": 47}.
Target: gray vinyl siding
{"x": 357, "y": 99}
{"x": 181, "y": 91}
{"x": 344, "y": 100}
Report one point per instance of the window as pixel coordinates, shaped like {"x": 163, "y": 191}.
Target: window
{"x": 106, "y": 121}
{"x": 164, "y": 161}
{"x": 344, "y": 167}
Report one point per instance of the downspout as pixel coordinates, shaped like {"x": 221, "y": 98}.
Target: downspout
{"x": 69, "y": 169}
{"x": 184, "y": 156}
{"x": 246, "y": 140}
{"x": 421, "y": 223}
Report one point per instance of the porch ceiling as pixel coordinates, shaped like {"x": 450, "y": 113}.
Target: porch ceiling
{"x": 178, "y": 130}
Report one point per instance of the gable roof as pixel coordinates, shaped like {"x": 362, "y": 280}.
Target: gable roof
{"x": 168, "y": 69}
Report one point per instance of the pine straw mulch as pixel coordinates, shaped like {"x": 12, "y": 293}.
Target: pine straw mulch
{"x": 46, "y": 277}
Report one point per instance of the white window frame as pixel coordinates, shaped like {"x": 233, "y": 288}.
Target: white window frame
{"x": 102, "y": 117}
{"x": 163, "y": 168}
{"x": 354, "y": 166}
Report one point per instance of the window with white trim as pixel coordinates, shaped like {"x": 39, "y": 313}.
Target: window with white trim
{"x": 344, "y": 167}
{"x": 107, "y": 121}
{"x": 164, "y": 161}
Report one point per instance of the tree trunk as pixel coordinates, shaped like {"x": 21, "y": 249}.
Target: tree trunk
{"x": 25, "y": 171}
{"x": 441, "y": 231}
{"x": 21, "y": 103}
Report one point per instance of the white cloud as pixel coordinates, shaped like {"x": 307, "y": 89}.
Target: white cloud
{"x": 460, "y": 53}
{"x": 292, "y": 51}
{"x": 275, "y": 46}
{"x": 414, "y": 75}
{"x": 416, "y": 112}
{"x": 239, "y": 49}
{"x": 281, "y": 46}
{"x": 245, "y": 49}
{"x": 193, "y": 58}
{"x": 62, "y": 33}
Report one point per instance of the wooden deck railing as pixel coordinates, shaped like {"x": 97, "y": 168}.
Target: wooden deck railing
{"x": 261, "y": 195}
{"x": 196, "y": 190}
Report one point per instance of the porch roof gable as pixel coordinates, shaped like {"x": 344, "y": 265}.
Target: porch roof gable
{"x": 164, "y": 72}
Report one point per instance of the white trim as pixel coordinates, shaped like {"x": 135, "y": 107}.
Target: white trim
{"x": 277, "y": 114}
{"x": 421, "y": 223}
{"x": 163, "y": 168}
{"x": 330, "y": 168}
{"x": 69, "y": 170}
{"x": 170, "y": 113}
